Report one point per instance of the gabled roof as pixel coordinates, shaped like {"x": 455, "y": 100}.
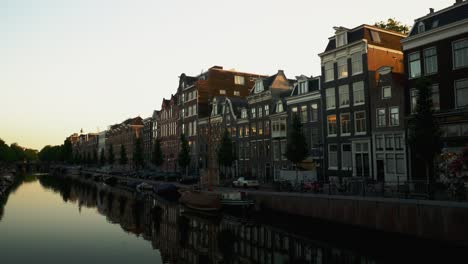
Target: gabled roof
{"x": 446, "y": 16}
{"x": 313, "y": 83}
{"x": 269, "y": 82}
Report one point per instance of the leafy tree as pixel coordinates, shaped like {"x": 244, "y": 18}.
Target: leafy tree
{"x": 123, "y": 155}
{"x": 102, "y": 159}
{"x": 6, "y": 155}
{"x": 111, "y": 155}
{"x": 158, "y": 156}
{"x": 95, "y": 160}
{"x": 424, "y": 132}
{"x": 51, "y": 154}
{"x": 394, "y": 25}
{"x": 184, "y": 154}
{"x": 225, "y": 152}
{"x": 30, "y": 154}
{"x": 296, "y": 149}
{"x": 67, "y": 151}
{"x": 138, "y": 153}
{"x": 18, "y": 152}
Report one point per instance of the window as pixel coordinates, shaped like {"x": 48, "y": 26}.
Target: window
{"x": 356, "y": 63}
{"x": 358, "y": 93}
{"x": 241, "y": 131}
{"x": 332, "y": 156}
{"x": 236, "y": 93}
{"x": 346, "y": 161}
{"x": 381, "y": 120}
{"x": 258, "y": 86}
{"x": 253, "y": 129}
{"x": 267, "y": 110}
{"x": 414, "y": 99}
{"x": 260, "y": 112}
{"x": 379, "y": 142}
{"x": 329, "y": 74}
{"x": 430, "y": 61}
{"x": 247, "y": 130}
{"x": 304, "y": 113}
{"x": 435, "y": 23}
{"x": 240, "y": 80}
{"x": 279, "y": 107}
{"x": 386, "y": 92}
{"x": 293, "y": 112}
{"x": 345, "y": 124}
{"x": 414, "y": 65}
{"x": 313, "y": 112}
{"x": 302, "y": 87}
{"x": 461, "y": 93}
{"x": 360, "y": 122}
{"x": 183, "y": 97}
{"x": 435, "y": 97}
{"x": 343, "y": 95}
{"x": 260, "y": 128}
{"x": 222, "y": 91}
{"x": 341, "y": 39}
{"x": 276, "y": 150}
{"x": 283, "y": 149}
{"x": 394, "y": 116}
{"x": 460, "y": 53}
{"x": 253, "y": 112}
{"x": 267, "y": 128}
{"x": 421, "y": 27}
{"x": 331, "y": 120}
{"x": 399, "y": 142}
{"x": 244, "y": 113}
{"x": 330, "y": 95}
{"x": 389, "y": 143}
{"x": 375, "y": 36}
{"x": 342, "y": 64}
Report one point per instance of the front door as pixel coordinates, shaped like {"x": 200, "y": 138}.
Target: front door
{"x": 361, "y": 159}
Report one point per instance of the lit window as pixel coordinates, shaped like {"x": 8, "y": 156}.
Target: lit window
{"x": 461, "y": 93}
{"x": 330, "y": 95}
{"x": 414, "y": 65}
{"x": 345, "y": 124}
{"x": 313, "y": 112}
{"x": 381, "y": 119}
{"x": 394, "y": 116}
{"x": 430, "y": 61}
{"x": 460, "y": 53}
{"x": 331, "y": 120}
{"x": 386, "y": 92}
{"x": 356, "y": 62}
{"x": 329, "y": 75}
{"x": 222, "y": 91}
{"x": 304, "y": 113}
{"x": 239, "y": 80}
{"x": 343, "y": 95}
{"x": 244, "y": 113}
{"x": 360, "y": 122}
{"x": 358, "y": 93}
{"x": 236, "y": 93}
{"x": 342, "y": 64}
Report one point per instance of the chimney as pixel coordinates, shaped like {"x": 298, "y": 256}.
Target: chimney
{"x": 431, "y": 10}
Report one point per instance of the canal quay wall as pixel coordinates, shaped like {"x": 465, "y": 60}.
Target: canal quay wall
{"x": 440, "y": 220}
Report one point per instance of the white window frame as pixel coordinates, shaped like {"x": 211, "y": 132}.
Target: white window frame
{"x": 390, "y": 114}
{"x": 239, "y": 80}
{"x": 389, "y": 87}
{"x": 267, "y": 110}
{"x": 410, "y": 71}
{"x": 253, "y": 112}
{"x": 456, "y": 93}
{"x": 453, "y": 53}
{"x": 328, "y": 95}
{"x": 361, "y": 90}
{"x": 350, "y": 156}
{"x": 329, "y": 72}
{"x": 304, "y": 113}
{"x": 302, "y": 87}
{"x": 342, "y": 68}
{"x": 348, "y": 133}
{"x": 328, "y": 126}
{"x": 336, "y": 153}
{"x": 355, "y": 61}
{"x": 356, "y": 132}
{"x": 421, "y": 27}
{"x": 340, "y": 95}
{"x": 313, "y": 108}
{"x": 431, "y": 57}
{"x": 341, "y": 39}
{"x": 378, "y": 117}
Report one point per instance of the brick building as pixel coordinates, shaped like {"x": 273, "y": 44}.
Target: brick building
{"x": 124, "y": 134}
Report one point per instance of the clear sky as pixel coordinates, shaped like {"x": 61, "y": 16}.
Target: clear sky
{"x": 72, "y": 64}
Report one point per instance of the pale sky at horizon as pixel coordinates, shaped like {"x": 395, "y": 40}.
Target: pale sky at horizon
{"x": 68, "y": 65}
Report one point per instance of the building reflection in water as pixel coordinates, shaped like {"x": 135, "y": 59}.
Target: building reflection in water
{"x": 184, "y": 236}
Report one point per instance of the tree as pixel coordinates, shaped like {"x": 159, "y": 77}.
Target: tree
{"x": 296, "y": 149}
{"x": 102, "y": 159}
{"x": 138, "y": 153}
{"x": 123, "y": 155}
{"x": 111, "y": 155}
{"x": 225, "y": 152}
{"x": 158, "y": 156}
{"x": 424, "y": 132}
{"x": 184, "y": 154}
{"x": 393, "y": 25}
{"x": 67, "y": 151}
{"x": 95, "y": 160}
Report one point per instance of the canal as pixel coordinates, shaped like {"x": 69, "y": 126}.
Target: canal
{"x": 47, "y": 219}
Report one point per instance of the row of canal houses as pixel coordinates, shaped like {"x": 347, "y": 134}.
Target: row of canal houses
{"x": 354, "y": 115}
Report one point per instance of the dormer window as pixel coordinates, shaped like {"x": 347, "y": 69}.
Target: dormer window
{"x": 302, "y": 87}
{"x": 341, "y": 39}
{"x": 435, "y": 23}
{"x": 279, "y": 107}
{"x": 375, "y": 36}
{"x": 258, "y": 86}
{"x": 421, "y": 27}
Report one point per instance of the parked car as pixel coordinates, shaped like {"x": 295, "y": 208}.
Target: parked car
{"x": 246, "y": 183}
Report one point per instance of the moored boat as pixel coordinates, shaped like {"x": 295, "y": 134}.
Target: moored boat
{"x": 201, "y": 200}
{"x": 235, "y": 199}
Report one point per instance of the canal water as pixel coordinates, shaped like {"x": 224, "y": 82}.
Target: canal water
{"x": 47, "y": 219}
